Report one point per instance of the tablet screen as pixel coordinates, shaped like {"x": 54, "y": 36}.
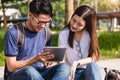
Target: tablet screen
{"x": 57, "y": 51}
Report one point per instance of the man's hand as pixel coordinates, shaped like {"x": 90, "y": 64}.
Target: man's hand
{"x": 44, "y": 56}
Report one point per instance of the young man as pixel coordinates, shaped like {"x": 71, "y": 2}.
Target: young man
{"x": 26, "y": 62}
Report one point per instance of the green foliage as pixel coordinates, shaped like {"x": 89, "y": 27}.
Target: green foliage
{"x": 108, "y": 5}
{"x": 59, "y": 11}
{"x": 55, "y": 35}
{"x": 2, "y": 59}
{"x": 109, "y": 44}
{"x": 23, "y": 9}
{"x": 17, "y": 4}
{"x": 1, "y": 47}
{"x": 55, "y": 40}
{"x": 1, "y": 39}
{"x": 109, "y": 54}
{"x": 109, "y": 41}
{"x": 57, "y": 28}
{"x": 85, "y": 2}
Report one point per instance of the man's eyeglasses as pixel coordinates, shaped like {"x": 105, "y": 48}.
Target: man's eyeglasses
{"x": 42, "y": 22}
{"x": 78, "y": 48}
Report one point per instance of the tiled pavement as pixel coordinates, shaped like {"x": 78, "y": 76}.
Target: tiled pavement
{"x": 110, "y": 64}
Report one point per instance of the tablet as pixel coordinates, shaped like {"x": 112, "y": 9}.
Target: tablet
{"x": 57, "y": 51}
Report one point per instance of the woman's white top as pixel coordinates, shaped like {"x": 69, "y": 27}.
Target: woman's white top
{"x": 71, "y": 53}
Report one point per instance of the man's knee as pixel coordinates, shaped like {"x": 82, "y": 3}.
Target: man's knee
{"x": 31, "y": 72}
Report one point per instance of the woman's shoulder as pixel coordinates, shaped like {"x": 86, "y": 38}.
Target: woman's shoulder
{"x": 64, "y": 31}
{"x": 86, "y": 35}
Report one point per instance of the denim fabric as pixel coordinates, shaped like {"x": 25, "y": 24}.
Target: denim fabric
{"x": 91, "y": 72}
{"x": 57, "y": 72}
{"x": 79, "y": 74}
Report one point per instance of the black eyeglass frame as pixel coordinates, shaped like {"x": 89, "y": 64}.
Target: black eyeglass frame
{"x": 42, "y": 22}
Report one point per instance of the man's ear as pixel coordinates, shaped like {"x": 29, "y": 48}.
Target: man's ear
{"x": 29, "y": 14}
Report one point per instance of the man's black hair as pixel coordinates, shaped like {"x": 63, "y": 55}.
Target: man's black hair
{"x": 40, "y": 6}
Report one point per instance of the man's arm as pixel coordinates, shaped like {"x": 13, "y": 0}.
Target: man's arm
{"x": 13, "y": 64}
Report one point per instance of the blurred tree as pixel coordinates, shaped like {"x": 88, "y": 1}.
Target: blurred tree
{"x": 58, "y": 12}
{"x": 104, "y": 5}
{"x": 114, "y": 4}
{"x": 108, "y": 5}
{"x": 63, "y": 9}
{"x": 10, "y": 3}
{"x": 69, "y": 5}
{"x": 18, "y": 4}
{"x": 78, "y": 3}
{"x": 4, "y": 17}
{"x": 101, "y": 5}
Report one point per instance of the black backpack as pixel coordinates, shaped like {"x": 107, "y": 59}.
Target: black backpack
{"x": 20, "y": 36}
{"x": 112, "y": 74}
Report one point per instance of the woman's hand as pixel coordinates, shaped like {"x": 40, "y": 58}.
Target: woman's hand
{"x": 47, "y": 64}
{"x": 73, "y": 69}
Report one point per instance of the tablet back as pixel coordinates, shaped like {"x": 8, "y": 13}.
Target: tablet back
{"x": 57, "y": 51}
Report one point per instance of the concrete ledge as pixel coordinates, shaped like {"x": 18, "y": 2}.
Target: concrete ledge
{"x": 1, "y": 72}
{"x": 109, "y": 63}
{"x": 1, "y": 79}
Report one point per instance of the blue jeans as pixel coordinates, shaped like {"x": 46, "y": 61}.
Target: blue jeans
{"x": 91, "y": 72}
{"x": 57, "y": 72}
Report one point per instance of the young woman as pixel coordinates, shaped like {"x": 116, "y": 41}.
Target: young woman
{"x": 80, "y": 39}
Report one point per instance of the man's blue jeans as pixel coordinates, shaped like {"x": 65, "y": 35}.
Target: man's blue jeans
{"x": 57, "y": 72}
{"x": 91, "y": 72}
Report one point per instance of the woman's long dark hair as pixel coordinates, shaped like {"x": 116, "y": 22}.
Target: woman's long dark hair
{"x": 89, "y": 16}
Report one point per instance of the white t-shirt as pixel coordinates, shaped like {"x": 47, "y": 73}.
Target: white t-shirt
{"x": 72, "y": 53}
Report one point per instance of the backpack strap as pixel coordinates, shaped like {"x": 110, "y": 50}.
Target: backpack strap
{"x": 48, "y": 33}
{"x": 105, "y": 69}
{"x": 20, "y": 36}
